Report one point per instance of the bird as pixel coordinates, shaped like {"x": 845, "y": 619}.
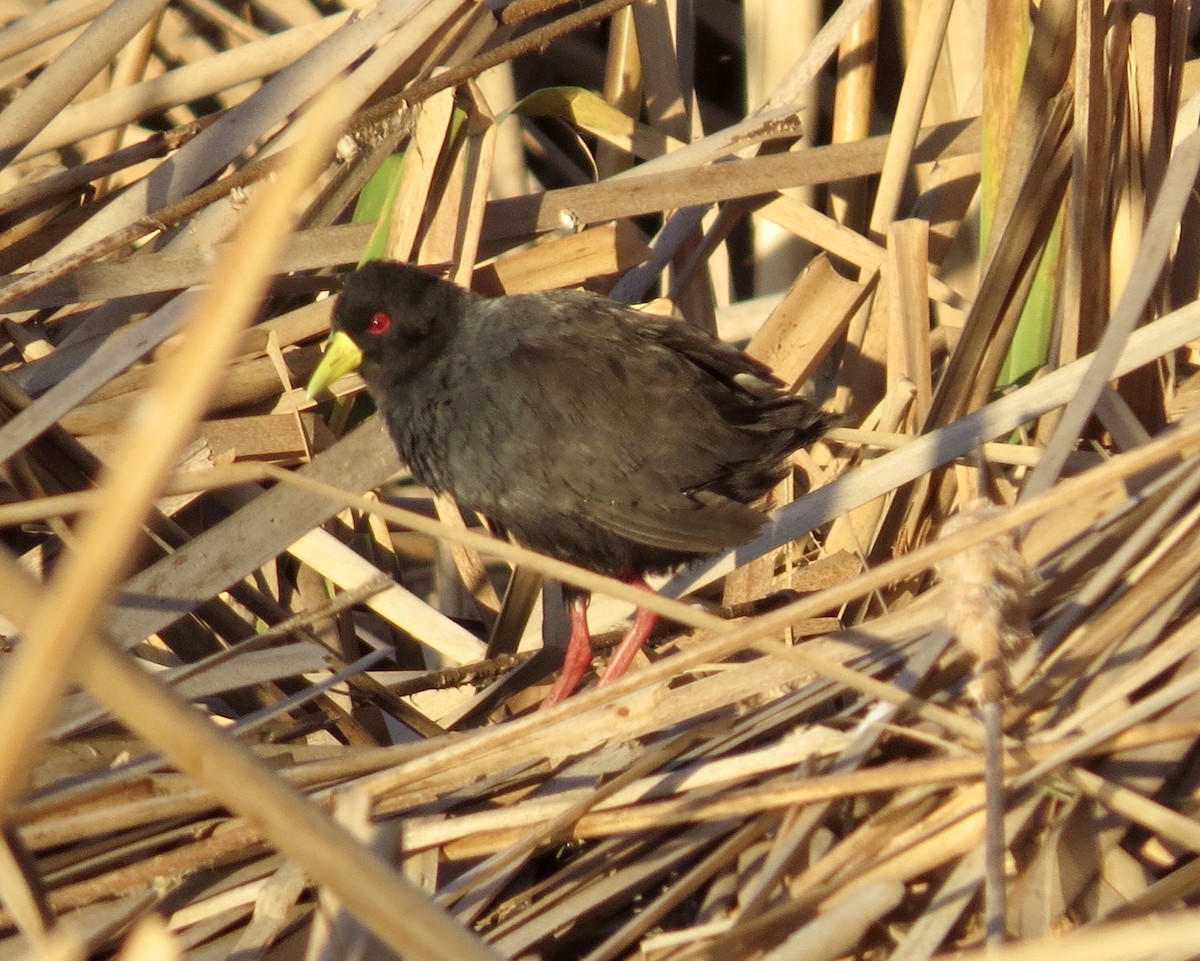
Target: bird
{"x": 575, "y": 425}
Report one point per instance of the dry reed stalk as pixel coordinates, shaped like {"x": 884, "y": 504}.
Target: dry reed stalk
{"x": 731, "y": 837}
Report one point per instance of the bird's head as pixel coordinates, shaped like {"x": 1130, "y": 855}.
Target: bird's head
{"x": 388, "y": 320}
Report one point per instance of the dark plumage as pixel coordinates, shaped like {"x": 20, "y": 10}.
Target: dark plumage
{"x": 585, "y": 430}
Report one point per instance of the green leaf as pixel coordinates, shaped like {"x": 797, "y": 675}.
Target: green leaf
{"x": 376, "y": 201}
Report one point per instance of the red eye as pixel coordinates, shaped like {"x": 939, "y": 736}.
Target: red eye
{"x": 378, "y": 324}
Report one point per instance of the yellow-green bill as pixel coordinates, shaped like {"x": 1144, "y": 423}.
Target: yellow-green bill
{"x": 342, "y": 357}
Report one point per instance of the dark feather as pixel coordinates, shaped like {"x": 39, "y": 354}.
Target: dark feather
{"x": 582, "y": 428}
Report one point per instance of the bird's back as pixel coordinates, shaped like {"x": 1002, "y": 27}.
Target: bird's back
{"x": 599, "y": 437}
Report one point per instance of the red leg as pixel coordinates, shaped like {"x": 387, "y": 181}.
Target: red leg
{"x": 578, "y": 657}
{"x": 633, "y": 641}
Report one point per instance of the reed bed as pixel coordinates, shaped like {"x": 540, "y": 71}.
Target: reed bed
{"x": 263, "y": 696}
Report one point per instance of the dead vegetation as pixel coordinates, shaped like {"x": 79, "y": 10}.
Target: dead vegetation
{"x": 251, "y": 708}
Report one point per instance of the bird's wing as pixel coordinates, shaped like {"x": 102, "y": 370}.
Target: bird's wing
{"x": 738, "y": 370}
{"x": 703, "y": 524}
{"x": 630, "y": 441}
